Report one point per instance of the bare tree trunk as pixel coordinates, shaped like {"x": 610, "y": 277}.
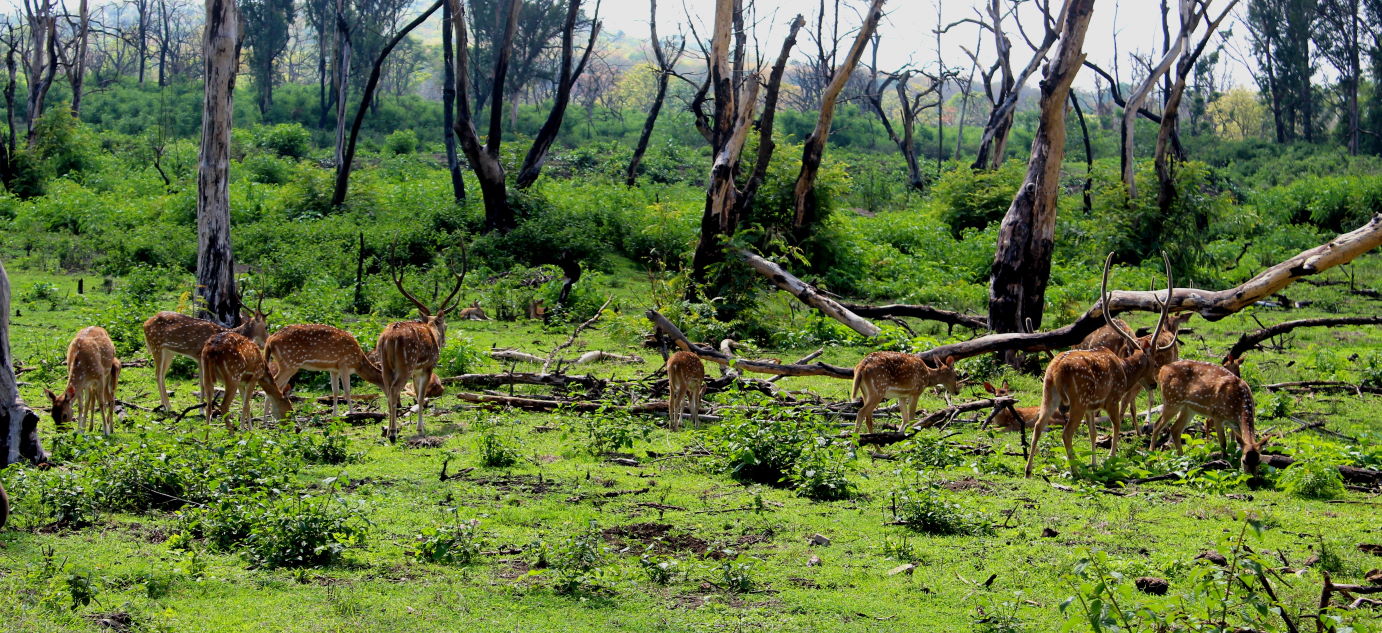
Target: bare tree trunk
{"x": 79, "y": 58}
{"x": 215, "y": 261}
{"x": 1022, "y": 263}
{"x": 484, "y": 157}
{"x": 813, "y": 149}
{"x": 18, "y": 423}
{"x": 665, "y": 68}
{"x": 163, "y": 43}
{"x": 342, "y": 78}
{"x": 42, "y": 62}
{"x": 366, "y": 98}
{"x": 542, "y": 143}
{"x": 1088, "y": 155}
{"x": 448, "y": 105}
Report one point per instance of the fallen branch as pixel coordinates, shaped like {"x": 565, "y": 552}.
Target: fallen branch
{"x": 1320, "y": 385}
{"x": 598, "y": 356}
{"x": 808, "y": 294}
{"x": 607, "y": 495}
{"x": 1351, "y": 474}
{"x": 933, "y": 419}
{"x": 490, "y": 381}
{"x": 572, "y": 339}
{"x": 534, "y": 404}
{"x": 763, "y": 367}
{"x": 1250, "y": 340}
{"x": 800, "y": 361}
{"x": 510, "y": 354}
{"x": 1328, "y": 592}
{"x": 924, "y": 312}
{"x": 1213, "y": 305}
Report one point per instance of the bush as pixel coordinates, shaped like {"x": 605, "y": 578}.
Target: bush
{"x": 1312, "y": 479}
{"x": 577, "y": 561}
{"x": 287, "y": 140}
{"x": 765, "y": 451}
{"x": 460, "y": 356}
{"x": 331, "y": 447}
{"x": 456, "y": 542}
{"x": 821, "y": 473}
{"x": 266, "y": 169}
{"x": 495, "y": 452}
{"x": 975, "y": 198}
{"x": 929, "y": 510}
{"x": 401, "y": 142}
{"x": 304, "y": 532}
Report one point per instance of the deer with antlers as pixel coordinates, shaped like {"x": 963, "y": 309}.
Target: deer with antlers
{"x": 1090, "y": 380}
{"x": 172, "y": 333}
{"x": 236, "y": 362}
{"x": 1190, "y": 388}
{"x": 409, "y": 350}
{"x": 882, "y": 375}
{"x": 92, "y": 374}
{"x": 685, "y": 383}
{"x": 317, "y": 347}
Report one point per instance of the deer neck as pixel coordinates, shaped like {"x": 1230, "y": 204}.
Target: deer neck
{"x": 368, "y": 369}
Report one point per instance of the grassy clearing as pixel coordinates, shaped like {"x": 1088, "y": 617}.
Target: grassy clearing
{"x": 566, "y": 539}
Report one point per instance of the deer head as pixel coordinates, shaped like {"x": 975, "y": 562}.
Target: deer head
{"x": 436, "y": 321}
{"x": 61, "y": 408}
{"x": 1148, "y": 345}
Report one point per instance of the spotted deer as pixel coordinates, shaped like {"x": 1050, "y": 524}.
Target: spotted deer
{"x": 172, "y": 333}
{"x": 1026, "y": 416}
{"x": 92, "y": 374}
{"x": 685, "y": 383}
{"x": 317, "y": 347}
{"x": 1090, "y": 380}
{"x": 236, "y": 362}
{"x": 1190, "y": 388}
{"x": 473, "y": 313}
{"x": 409, "y": 350}
{"x": 882, "y": 375}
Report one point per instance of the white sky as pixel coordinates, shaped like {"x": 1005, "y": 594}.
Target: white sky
{"x": 907, "y": 29}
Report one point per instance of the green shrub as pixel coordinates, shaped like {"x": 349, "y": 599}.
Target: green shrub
{"x": 455, "y": 542}
{"x": 610, "y": 431}
{"x": 460, "y": 356}
{"x": 577, "y": 561}
{"x": 331, "y": 447}
{"x": 929, "y": 509}
{"x": 495, "y": 452}
{"x": 287, "y": 140}
{"x": 765, "y": 451}
{"x": 1312, "y": 479}
{"x": 976, "y": 198}
{"x": 304, "y": 532}
{"x": 401, "y": 142}
{"x": 266, "y": 169}
{"x": 736, "y": 574}
{"x": 821, "y": 473}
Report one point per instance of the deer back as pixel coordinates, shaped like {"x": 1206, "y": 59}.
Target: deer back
{"x": 177, "y": 332}
{"x": 408, "y": 346}
{"x": 1107, "y": 338}
{"x": 684, "y": 369}
{"x": 315, "y": 347}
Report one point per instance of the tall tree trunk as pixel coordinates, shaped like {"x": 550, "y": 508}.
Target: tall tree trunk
{"x": 1022, "y": 261}
{"x": 18, "y": 423}
{"x": 448, "y": 105}
{"x": 215, "y": 261}
{"x": 804, "y": 200}
{"x": 79, "y": 59}
{"x": 665, "y": 68}
{"x": 484, "y": 157}
{"x": 342, "y": 79}
{"x": 542, "y": 143}
{"x": 42, "y": 64}
{"x": 366, "y": 98}
{"x": 1088, "y": 156}
{"x": 163, "y": 43}
{"x": 142, "y": 36}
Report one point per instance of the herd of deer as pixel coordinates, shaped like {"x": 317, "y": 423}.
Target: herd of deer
{"x": 1106, "y": 372}
{"x": 246, "y": 357}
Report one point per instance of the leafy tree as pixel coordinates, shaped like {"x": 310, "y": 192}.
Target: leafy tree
{"x": 266, "y": 29}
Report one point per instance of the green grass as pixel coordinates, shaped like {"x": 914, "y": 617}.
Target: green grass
{"x": 556, "y": 491}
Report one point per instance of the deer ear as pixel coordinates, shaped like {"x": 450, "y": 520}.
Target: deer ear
{"x": 1005, "y": 386}
{"x": 988, "y": 386}
{"x": 71, "y": 391}
{"x": 950, "y": 360}
{"x": 51, "y": 396}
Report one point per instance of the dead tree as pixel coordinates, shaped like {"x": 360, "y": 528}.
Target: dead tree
{"x": 448, "y": 104}
{"x": 994, "y": 141}
{"x": 215, "y": 261}
{"x": 734, "y": 92}
{"x": 1022, "y": 263}
{"x": 1192, "y": 11}
{"x": 804, "y": 200}
{"x": 343, "y": 167}
{"x": 666, "y": 66}
{"x": 909, "y": 107}
{"x": 41, "y": 64}
{"x": 566, "y": 78}
{"x": 341, "y": 78}
{"x": 18, "y": 423}
{"x": 76, "y": 74}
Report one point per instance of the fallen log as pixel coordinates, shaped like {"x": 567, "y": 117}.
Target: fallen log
{"x": 933, "y": 419}
{"x": 1320, "y": 385}
{"x": 1250, "y": 340}
{"x": 1351, "y": 474}
{"x": 924, "y": 312}
{"x": 599, "y": 356}
{"x": 510, "y": 354}
{"x": 763, "y": 367}
{"x": 808, "y": 294}
{"x": 800, "y": 361}
{"x": 1328, "y": 591}
{"x": 490, "y": 381}
{"x": 1213, "y": 305}
{"x": 535, "y": 404}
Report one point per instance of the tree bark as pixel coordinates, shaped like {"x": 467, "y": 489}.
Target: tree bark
{"x": 804, "y": 201}
{"x": 484, "y": 157}
{"x": 1022, "y": 263}
{"x": 808, "y": 294}
{"x": 366, "y": 98}
{"x": 79, "y": 58}
{"x": 448, "y": 105}
{"x": 665, "y": 68}
{"x": 566, "y": 79}
{"x": 342, "y": 79}
{"x": 924, "y": 312}
{"x": 215, "y": 261}
{"x": 18, "y": 423}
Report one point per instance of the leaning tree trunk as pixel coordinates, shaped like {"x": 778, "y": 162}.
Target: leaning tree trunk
{"x": 79, "y": 57}
{"x": 215, "y": 261}
{"x": 343, "y": 46}
{"x": 1022, "y": 263}
{"x": 448, "y": 105}
{"x": 18, "y": 423}
{"x": 566, "y": 80}
{"x": 665, "y": 68}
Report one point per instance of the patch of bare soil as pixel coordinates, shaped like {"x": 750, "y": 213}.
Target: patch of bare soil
{"x": 968, "y": 484}
{"x": 530, "y": 484}
{"x": 114, "y": 621}
{"x": 426, "y": 441}
{"x": 663, "y": 538}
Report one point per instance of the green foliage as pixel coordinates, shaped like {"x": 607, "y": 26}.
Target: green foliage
{"x": 460, "y": 356}
{"x": 1312, "y": 479}
{"x": 64, "y": 143}
{"x": 331, "y": 446}
{"x": 611, "y": 431}
{"x": 401, "y": 142}
{"x": 821, "y": 473}
{"x": 766, "y": 451}
{"x": 975, "y": 198}
{"x": 495, "y": 452}
{"x": 304, "y": 532}
{"x": 577, "y": 561}
{"x": 458, "y": 542}
{"x": 266, "y": 169}
{"x": 658, "y": 569}
{"x": 736, "y": 574}
{"x": 926, "y": 451}
{"x": 929, "y": 509}
{"x": 285, "y": 140}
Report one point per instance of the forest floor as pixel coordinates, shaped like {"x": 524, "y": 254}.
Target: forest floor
{"x": 741, "y": 556}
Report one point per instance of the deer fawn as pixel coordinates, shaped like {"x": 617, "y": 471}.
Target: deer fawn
{"x": 325, "y": 348}
{"x": 881, "y": 375}
{"x": 409, "y": 350}
{"x": 236, "y": 362}
{"x": 1190, "y": 388}
{"x": 92, "y": 374}
{"x": 169, "y": 333}
{"x": 1026, "y": 416}
{"x": 685, "y": 381}
{"x": 1090, "y": 380}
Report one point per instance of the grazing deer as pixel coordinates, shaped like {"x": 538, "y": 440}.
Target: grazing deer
{"x": 169, "y": 333}
{"x": 1090, "y": 380}
{"x": 1026, "y": 416}
{"x": 409, "y": 350}
{"x": 1190, "y": 388}
{"x": 317, "y": 347}
{"x": 882, "y": 375}
{"x": 236, "y": 362}
{"x": 473, "y": 313}
{"x": 685, "y": 381}
{"x": 92, "y": 374}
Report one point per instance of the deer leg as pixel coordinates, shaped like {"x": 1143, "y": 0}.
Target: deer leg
{"x": 333, "y": 376}
{"x": 674, "y": 409}
{"x": 1117, "y": 417}
{"x": 345, "y": 386}
{"x": 420, "y": 388}
{"x": 208, "y": 396}
{"x": 1159, "y": 426}
{"x": 1076, "y": 416}
{"x": 247, "y": 395}
{"x": 162, "y": 359}
{"x": 865, "y": 415}
{"x": 695, "y": 409}
{"x": 1219, "y": 429}
{"x": 1182, "y": 419}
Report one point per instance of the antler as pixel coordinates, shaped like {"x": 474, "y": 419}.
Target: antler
{"x": 398, "y": 281}
{"x": 460, "y": 280}
{"x": 1104, "y": 304}
{"x": 259, "y": 305}
{"x": 1165, "y": 307}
